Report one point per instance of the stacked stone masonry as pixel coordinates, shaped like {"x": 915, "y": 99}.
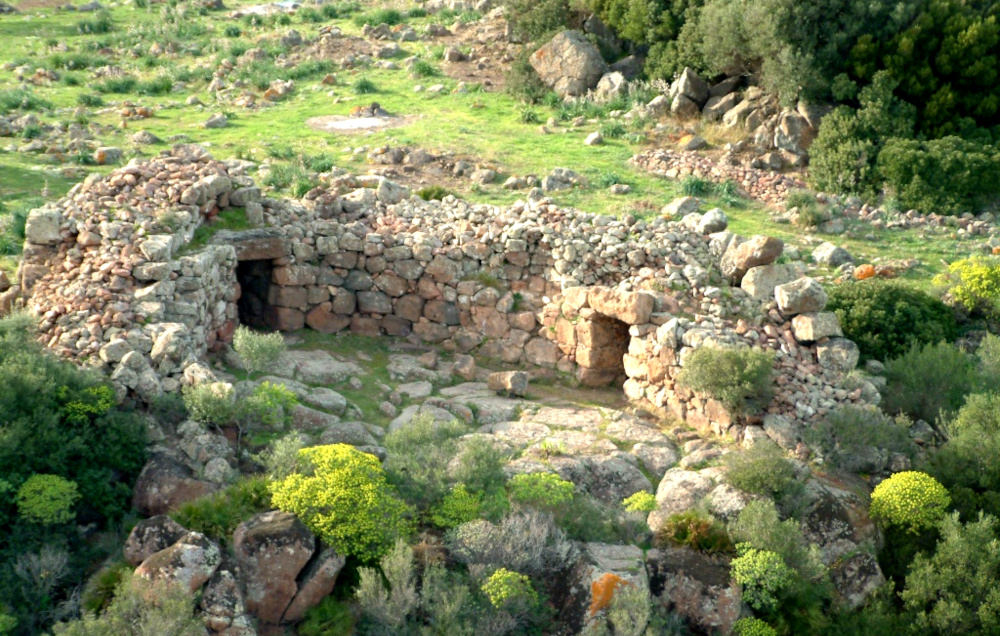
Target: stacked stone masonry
{"x": 113, "y": 274}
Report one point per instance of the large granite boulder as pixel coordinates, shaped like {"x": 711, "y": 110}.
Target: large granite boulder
{"x": 271, "y": 549}
{"x": 569, "y": 64}
{"x": 165, "y": 483}
{"x": 149, "y": 536}
{"x": 754, "y": 252}
{"x": 189, "y": 562}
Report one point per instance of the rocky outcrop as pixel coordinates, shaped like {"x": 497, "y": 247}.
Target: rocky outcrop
{"x": 164, "y": 484}
{"x": 271, "y": 550}
{"x": 149, "y": 536}
{"x": 696, "y": 587}
{"x": 569, "y": 64}
{"x": 189, "y": 562}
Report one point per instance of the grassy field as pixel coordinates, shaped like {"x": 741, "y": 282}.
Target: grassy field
{"x": 482, "y": 127}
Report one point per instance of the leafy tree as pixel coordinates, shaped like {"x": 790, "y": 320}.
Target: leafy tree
{"x": 956, "y": 590}
{"x": 944, "y": 55}
{"x": 843, "y": 158}
{"x": 257, "y": 351}
{"x": 945, "y": 176}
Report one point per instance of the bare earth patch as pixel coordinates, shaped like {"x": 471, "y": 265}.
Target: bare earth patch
{"x": 340, "y": 123}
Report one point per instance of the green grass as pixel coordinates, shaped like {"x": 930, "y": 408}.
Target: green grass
{"x": 228, "y": 219}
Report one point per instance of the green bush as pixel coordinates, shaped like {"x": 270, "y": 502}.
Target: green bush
{"x": 945, "y": 176}
{"x": 533, "y": 20}
{"x": 100, "y": 588}
{"x": 740, "y": 379}
{"x": 330, "y": 618}
{"x": 433, "y": 193}
{"x": 911, "y": 499}
{"x": 956, "y": 590}
{"x": 458, "y": 506}
{"x": 423, "y": 68}
{"x": 92, "y": 101}
{"x": 101, "y": 23}
{"x": 886, "y": 318}
{"x": 760, "y": 526}
{"x": 763, "y": 575}
{"x": 522, "y": 82}
{"x": 753, "y": 627}
{"x": 19, "y": 99}
{"x": 158, "y": 608}
{"x": 540, "y": 490}
{"x": 950, "y": 371}
{"x": 974, "y": 284}
{"x": 346, "y": 500}
{"x": 389, "y": 604}
{"x": 762, "y": 469}
{"x": 854, "y": 439}
{"x": 504, "y": 589}
{"x": 281, "y": 457}
{"x": 844, "y": 156}
{"x": 217, "y": 515}
{"x": 696, "y": 530}
{"x": 47, "y": 499}
{"x": 641, "y": 501}
{"x": 117, "y": 85}
{"x": 988, "y": 355}
{"x": 419, "y": 453}
{"x": 211, "y": 403}
{"x": 381, "y": 16}
{"x": 966, "y": 464}
{"x": 363, "y": 86}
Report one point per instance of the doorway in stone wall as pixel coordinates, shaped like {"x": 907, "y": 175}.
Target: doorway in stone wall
{"x": 602, "y": 345}
{"x": 254, "y": 278}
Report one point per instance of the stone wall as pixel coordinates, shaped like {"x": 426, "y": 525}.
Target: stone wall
{"x": 118, "y": 284}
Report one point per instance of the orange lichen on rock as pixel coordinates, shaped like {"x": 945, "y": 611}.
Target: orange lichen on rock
{"x": 864, "y": 271}
{"x": 603, "y": 590}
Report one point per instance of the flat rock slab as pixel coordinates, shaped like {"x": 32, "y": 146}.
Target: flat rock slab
{"x": 467, "y": 390}
{"x": 416, "y": 390}
{"x": 338, "y": 123}
{"x": 491, "y": 409}
{"x": 404, "y": 368}
{"x": 314, "y": 367}
{"x": 518, "y": 434}
{"x": 589, "y": 420}
{"x": 437, "y": 414}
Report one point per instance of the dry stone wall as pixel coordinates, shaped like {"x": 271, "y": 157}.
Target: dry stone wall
{"x": 112, "y": 272}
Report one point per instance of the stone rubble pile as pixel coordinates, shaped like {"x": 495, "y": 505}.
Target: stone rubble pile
{"x": 763, "y": 185}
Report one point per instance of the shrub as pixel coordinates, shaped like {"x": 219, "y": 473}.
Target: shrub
{"x": 845, "y": 154}
{"x": 47, "y": 499}
{"x": 945, "y": 176}
{"x": 116, "y": 85}
{"x": 527, "y": 541}
{"x": 20, "y": 99}
{"x": 308, "y": 14}
{"x": 423, "y": 68}
{"x": 381, "y": 16}
{"x": 459, "y": 506}
{"x": 948, "y": 369}
{"x": 159, "y": 608}
{"x": 330, "y": 617}
{"x": 102, "y": 23}
{"x": 522, "y": 82}
{"x": 641, "y": 501}
{"x": 432, "y": 193}
{"x": 956, "y": 590}
{"x": 528, "y": 115}
{"x": 753, "y": 627}
{"x": 540, "y": 490}
{"x": 346, "y": 501}
{"x": 740, "y": 379}
{"x": 760, "y": 526}
{"x": 210, "y": 403}
{"x": 613, "y": 129}
{"x": 763, "y": 575}
{"x": 886, "y": 318}
{"x": 159, "y": 85}
{"x": 269, "y": 406}
{"x": 281, "y": 457}
{"x": 966, "y": 464}
{"x": 506, "y": 590}
{"x": 92, "y": 101}
{"x": 695, "y": 186}
{"x": 910, "y": 499}
{"x": 854, "y": 439}
{"x": 762, "y": 469}
{"x": 232, "y": 31}
{"x": 974, "y": 285}
{"x": 419, "y": 453}
{"x": 257, "y": 351}
{"x": 532, "y": 20}
{"x": 988, "y": 355}
{"x": 364, "y": 86}
{"x": 100, "y": 588}
{"x": 217, "y": 515}
{"x": 696, "y": 530}
{"x": 390, "y": 607}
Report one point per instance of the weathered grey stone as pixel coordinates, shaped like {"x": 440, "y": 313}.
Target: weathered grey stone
{"x": 569, "y": 64}
{"x": 800, "y": 296}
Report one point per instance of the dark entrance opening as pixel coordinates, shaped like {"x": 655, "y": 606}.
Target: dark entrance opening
{"x": 255, "y": 284}
{"x": 603, "y": 343}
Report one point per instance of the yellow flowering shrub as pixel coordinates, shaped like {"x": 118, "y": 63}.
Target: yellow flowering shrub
{"x": 974, "y": 284}
{"x": 911, "y": 499}
{"x": 641, "y": 501}
{"x": 507, "y": 589}
{"x": 346, "y": 500}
